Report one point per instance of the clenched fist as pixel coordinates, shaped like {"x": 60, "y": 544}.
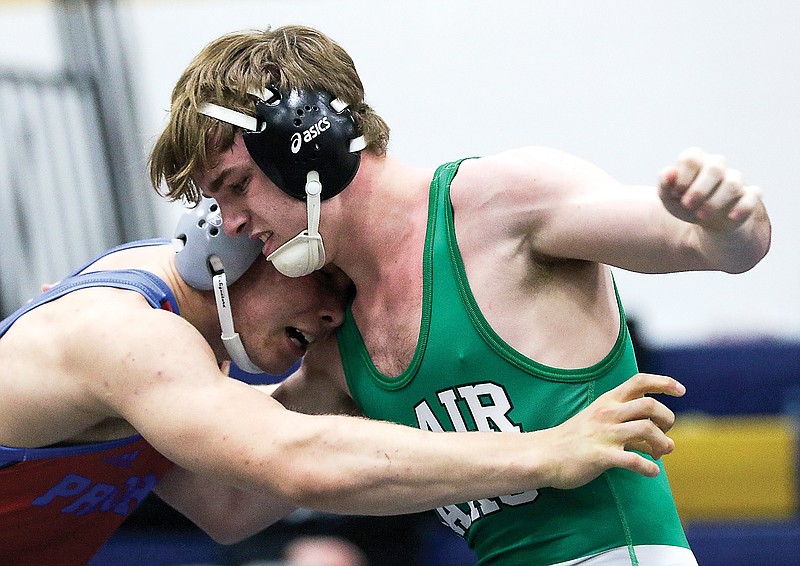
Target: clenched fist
{"x": 702, "y": 189}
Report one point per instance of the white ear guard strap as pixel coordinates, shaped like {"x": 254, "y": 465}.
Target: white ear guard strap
{"x": 267, "y": 96}
{"x": 227, "y": 115}
{"x": 230, "y": 338}
{"x": 250, "y": 123}
{"x": 356, "y": 144}
{"x": 338, "y": 105}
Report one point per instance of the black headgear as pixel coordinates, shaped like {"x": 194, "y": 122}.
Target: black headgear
{"x": 306, "y": 143}
{"x": 303, "y": 130}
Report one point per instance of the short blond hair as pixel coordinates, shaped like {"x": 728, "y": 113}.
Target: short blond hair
{"x": 224, "y": 71}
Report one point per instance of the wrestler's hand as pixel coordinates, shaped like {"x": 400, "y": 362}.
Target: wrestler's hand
{"x": 603, "y": 435}
{"x": 702, "y": 189}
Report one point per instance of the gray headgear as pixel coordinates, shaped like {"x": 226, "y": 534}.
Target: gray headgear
{"x": 207, "y": 258}
{"x": 200, "y": 230}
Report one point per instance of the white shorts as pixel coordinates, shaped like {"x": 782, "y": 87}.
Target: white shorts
{"x": 647, "y": 555}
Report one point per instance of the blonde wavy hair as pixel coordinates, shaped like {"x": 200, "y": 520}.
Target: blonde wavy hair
{"x": 224, "y": 71}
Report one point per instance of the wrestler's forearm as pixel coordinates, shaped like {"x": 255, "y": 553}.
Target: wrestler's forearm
{"x": 358, "y": 466}
{"x": 335, "y": 463}
{"x": 352, "y": 465}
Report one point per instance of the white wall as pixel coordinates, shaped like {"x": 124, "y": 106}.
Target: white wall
{"x": 623, "y": 83}
{"x": 29, "y": 37}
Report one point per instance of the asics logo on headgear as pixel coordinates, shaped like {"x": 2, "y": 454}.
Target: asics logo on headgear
{"x": 298, "y": 138}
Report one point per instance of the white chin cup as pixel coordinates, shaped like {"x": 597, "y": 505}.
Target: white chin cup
{"x": 304, "y": 253}
{"x": 300, "y": 256}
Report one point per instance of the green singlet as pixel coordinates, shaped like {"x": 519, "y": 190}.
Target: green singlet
{"x": 464, "y": 377}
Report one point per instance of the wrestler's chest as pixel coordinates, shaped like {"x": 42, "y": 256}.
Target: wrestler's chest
{"x": 390, "y": 327}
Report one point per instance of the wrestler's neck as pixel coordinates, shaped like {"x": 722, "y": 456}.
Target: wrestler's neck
{"x": 381, "y": 213}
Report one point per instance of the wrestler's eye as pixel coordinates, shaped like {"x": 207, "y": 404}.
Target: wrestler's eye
{"x": 240, "y": 187}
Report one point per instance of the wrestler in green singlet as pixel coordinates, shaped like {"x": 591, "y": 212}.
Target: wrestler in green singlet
{"x": 464, "y": 377}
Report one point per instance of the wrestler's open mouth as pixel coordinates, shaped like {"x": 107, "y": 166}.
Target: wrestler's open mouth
{"x": 298, "y": 336}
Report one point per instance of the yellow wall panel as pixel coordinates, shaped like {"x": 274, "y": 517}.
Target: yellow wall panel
{"x": 734, "y": 467}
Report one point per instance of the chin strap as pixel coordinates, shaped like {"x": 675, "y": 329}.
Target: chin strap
{"x": 230, "y": 338}
{"x": 305, "y": 253}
